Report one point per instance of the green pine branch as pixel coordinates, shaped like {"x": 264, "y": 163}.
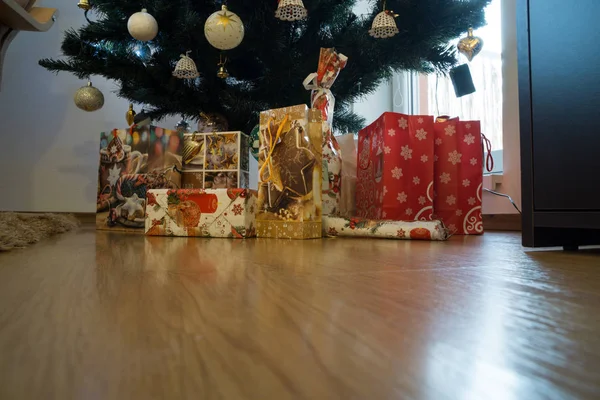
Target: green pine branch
{"x": 268, "y": 68}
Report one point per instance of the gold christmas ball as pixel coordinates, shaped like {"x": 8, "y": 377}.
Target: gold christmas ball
{"x": 224, "y": 30}
{"x": 470, "y": 45}
{"x": 88, "y": 98}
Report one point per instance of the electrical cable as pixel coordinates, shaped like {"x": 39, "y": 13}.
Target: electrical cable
{"x": 503, "y": 195}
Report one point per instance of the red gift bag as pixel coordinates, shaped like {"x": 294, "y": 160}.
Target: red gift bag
{"x": 458, "y": 176}
{"x": 395, "y": 168}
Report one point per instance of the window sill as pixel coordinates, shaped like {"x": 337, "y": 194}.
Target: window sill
{"x": 492, "y": 180}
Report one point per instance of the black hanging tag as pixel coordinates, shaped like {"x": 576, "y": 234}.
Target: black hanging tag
{"x": 462, "y": 80}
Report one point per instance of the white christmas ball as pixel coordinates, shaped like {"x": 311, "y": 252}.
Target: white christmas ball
{"x": 142, "y": 26}
{"x": 224, "y": 29}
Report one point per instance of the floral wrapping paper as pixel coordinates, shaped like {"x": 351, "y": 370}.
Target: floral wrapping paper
{"x": 395, "y": 168}
{"x": 223, "y": 213}
{"x": 218, "y": 160}
{"x": 330, "y": 65}
{"x": 290, "y": 175}
{"x": 133, "y": 161}
{"x": 458, "y": 171}
{"x": 405, "y": 230}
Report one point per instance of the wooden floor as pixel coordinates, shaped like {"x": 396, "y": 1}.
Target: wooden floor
{"x": 114, "y": 316}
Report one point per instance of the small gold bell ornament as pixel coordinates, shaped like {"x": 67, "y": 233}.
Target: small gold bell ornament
{"x": 470, "y": 45}
{"x": 88, "y": 98}
{"x": 290, "y": 10}
{"x": 222, "y": 73}
{"x": 84, "y": 5}
{"x": 130, "y": 115}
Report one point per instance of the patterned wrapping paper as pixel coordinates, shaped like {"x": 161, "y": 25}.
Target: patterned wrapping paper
{"x": 395, "y": 168}
{"x": 289, "y": 178}
{"x": 330, "y": 65}
{"x": 225, "y": 213}
{"x": 217, "y": 160}
{"x": 132, "y": 161}
{"x": 459, "y": 176}
{"x": 405, "y": 230}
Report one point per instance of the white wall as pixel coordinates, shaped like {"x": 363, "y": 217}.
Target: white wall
{"x": 50, "y": 155}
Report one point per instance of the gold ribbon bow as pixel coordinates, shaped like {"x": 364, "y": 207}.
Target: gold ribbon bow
{"x": 272, "y": 142}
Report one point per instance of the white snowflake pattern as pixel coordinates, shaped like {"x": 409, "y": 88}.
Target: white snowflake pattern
{"x": 403, "y": 123}
{"x": 454, "y": 157}
{"x": 452, "y": 228}
{"x": 458, "y": 213}
{"x": 466, "y": 182}
{"x": 420, "y": 120}
{"x": 397, "y": 173}
{"x": 438, "y": 141}
{"x": 387, "y": 150}
{"x": 471, "y": 201}
{"x": 409, "y": 211}
{"x": 391, "y": 132}
{"x": 451, "y": 200}
{"x": 445, "y": 177}
{"x": 406, "y": 152}
{"x": 450, "y": 130}
{"x": 422, "y": 200}
{"x": 435, "y": 158}
{"x": 385, "y": 190}
{"x": 424, "y": 158}
{"x": 473, "y": 161}
{"x": 402, "y": 197}
{"x": 421, "y": 134}
{"x": 416, "y": 180}
{"x": 469, "y": 139}
{"x": 113, "y": 149}
{"x": 468, "y": 126}
{"x": 113, "y": 175}
{"x": 383, "y": 214}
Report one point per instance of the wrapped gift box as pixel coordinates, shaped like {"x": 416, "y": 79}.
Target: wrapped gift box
{"x": 226, "y": 213}
{"x": 215, "y": 160}
{"x": 330, "y": 64}
{"x": 290, "y": 175}
{"x": 132, "y": 161}
{"x": 395, "y": 168}
{"x": 459, "y": 176}
{"x": 405, "y": 230}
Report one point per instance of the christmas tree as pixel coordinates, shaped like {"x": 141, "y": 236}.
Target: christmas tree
{"x": 267, "y": 69}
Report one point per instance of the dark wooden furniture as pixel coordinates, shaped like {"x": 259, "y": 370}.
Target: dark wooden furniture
{"x": 559, "y": 93}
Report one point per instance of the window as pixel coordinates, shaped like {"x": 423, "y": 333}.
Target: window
{"x": 486, "y": 69}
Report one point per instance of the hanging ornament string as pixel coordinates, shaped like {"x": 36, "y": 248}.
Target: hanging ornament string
{"x": 486, "y": 148}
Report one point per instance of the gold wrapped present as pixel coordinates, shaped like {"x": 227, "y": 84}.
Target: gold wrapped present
{"x": 289, "y": 173}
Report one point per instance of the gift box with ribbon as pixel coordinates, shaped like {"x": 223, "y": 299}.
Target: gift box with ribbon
{"x": 226, "y": 213}
{"x": 132, "y": 161}
{"x": 290, "y": 175}
{"x": 320, "y": 82}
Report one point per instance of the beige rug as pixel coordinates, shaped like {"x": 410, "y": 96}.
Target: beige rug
{"x": 18, "y": 230}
